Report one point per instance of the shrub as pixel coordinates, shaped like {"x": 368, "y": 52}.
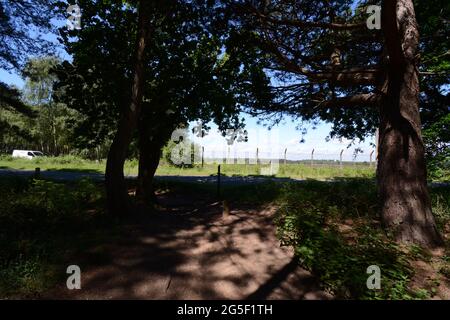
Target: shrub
{"x": 309, "y": 220}
{"x": 34, "y": 216}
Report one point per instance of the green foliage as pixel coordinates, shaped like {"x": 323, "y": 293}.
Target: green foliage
{"x": 287, "y": 50}
{"x": 440, "y": 199}
{"x": 14, "y": 126}
{"x": 18, "y": 43}
{"x": 50, "y": 129}
{"x": 38, "y": 219}
{"x": 437, "y": 138}
{"x": 186, "y": 76}
{"x": 312, "y": 219}
{"x": 18, "y": 18}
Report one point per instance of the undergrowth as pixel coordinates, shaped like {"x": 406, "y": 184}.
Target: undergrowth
{"x": 335, "y": 232}
{"x": 41, "y": 221}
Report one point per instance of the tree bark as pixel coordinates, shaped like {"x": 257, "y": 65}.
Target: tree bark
{"x": 116, "y": 189}
{"x": 402, "y": 176}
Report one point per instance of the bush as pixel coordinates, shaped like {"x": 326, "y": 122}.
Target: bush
{"x": 310, "y": 220}
{"x": 34, "y": 216}
{"x": 440, "y": 199}
{"x": 6, "y": 157}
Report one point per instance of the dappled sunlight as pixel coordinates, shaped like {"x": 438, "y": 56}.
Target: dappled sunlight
{"x": 175, "y": 255}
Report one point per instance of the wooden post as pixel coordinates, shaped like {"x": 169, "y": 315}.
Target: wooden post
{"x": 285, "y": 151}
{"x": 312, "y": 157}
{"x": 377, "y": 137}
{"x": 257, "y": 156}
{"x": 340, "y": 158}
{"x": 203, "y": 156}
{"x": 371, "y": 157}
{"x": 218, "y": 181}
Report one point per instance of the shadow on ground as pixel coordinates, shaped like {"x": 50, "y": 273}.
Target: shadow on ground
{"x": 189, "y": 250}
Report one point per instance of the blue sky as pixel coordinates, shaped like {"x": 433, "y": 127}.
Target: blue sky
{"x": 272, "y": 143}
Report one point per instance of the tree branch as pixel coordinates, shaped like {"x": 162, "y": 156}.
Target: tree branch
{"x": 303, "y": 24}
{"x": 364, "y": 99}
{"x": 353, "y": 76}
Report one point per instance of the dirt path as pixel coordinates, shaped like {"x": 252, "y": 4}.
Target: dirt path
{"x": 190, "y": 251}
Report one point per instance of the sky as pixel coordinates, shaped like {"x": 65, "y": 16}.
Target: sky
{"x": 270, "y": 143}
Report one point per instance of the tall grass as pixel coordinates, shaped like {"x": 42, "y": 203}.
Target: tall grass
{"x": 304, "y": 170}
{"x": 41, "y": 222}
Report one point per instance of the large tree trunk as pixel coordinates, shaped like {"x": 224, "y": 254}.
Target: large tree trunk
{"x": 116, "y": 190}
{"x": 402, "y": 177}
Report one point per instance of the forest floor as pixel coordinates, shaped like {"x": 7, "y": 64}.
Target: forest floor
{"x": 190, "y": 250}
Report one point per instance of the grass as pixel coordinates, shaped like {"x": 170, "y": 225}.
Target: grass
{"x": 304, "y": 170}
{"x": 41, "y": 223}
{"x": 297, "y": 171}
{"x": 51, "y": 163}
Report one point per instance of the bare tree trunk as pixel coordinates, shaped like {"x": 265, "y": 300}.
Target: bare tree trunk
{"x": 402, "y": 177}
{"x": 55, "y": 143}
{"x": 116, "y": 189}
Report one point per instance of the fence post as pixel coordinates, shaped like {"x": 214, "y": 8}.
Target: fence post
{"x": 203, "y": 156}
{"x": 218, "y": 181}
{"x": 257, "y": 156}
{"x": 340, "y": 158}
{"x": 37, "y": 173}
{"x": 312, "y": 157}
{"x": 377, "y": 137}
{"x": 371, "y": 157}
{"x": 285, "y": 150}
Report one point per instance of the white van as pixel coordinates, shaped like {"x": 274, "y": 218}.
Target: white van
{"x": 27, "y": 154}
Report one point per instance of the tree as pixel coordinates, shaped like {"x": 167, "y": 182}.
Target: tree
{"x": 437, "y": 139}
{"x": 434, "y": 96}
{"x": 97, "y": 83}
{"x": 17, "y": 17}
{"x": 191, "y": 79}
{"x": 188, "y": 77}
{"x": 49, "y": 128}
{"x": 116, "y": 190}
{"x": 13, "y": 129}
{"x": 23, "y": 27}
{"x": 337, "y": 70}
